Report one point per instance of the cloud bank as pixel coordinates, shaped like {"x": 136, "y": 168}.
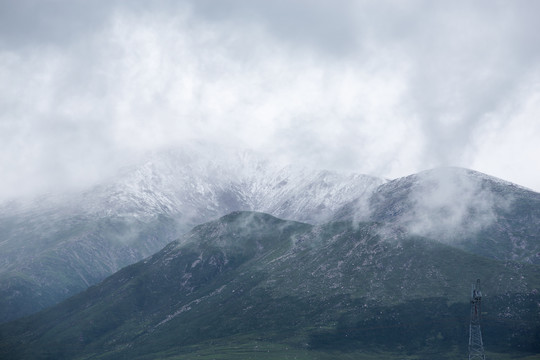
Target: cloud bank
{"x": 383, "y": 88}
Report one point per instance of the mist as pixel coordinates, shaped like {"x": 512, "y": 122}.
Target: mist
{"x": 451, "y": 204}
{"x": 387, "y": 89}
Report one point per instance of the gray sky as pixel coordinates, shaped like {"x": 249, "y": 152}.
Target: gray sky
{"x": 386, "y": 88}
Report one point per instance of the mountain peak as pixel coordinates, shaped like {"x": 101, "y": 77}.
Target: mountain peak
{"x": 455, "y": 174}
{"x": 244, "y": 231}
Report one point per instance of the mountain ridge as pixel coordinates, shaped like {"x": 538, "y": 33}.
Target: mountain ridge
{"x": 58, "y": 246}
{"x": 91, "y": 234}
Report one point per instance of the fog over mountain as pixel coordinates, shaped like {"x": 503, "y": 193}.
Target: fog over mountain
{"x": 387, "y": 88}
{"x": 58, "y": 244}
{"x": 125, "y": 125}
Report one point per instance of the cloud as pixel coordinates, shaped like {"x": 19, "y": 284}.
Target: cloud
{"x": 327, "y": 26}
{"x": 507, "y": 140}
{"x": 387, "y": 89}
{"x": 450, "y": 205}
{"x": 30, "y": 23}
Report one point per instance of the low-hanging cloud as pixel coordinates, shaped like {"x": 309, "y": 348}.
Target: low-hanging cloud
{"x": 386, "y": 89}
{"x": 451, "y": 204}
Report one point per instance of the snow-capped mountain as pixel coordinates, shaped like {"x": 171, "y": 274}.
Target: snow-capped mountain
{"x": 196, "y": 189}
{"x": 57, "y": 245}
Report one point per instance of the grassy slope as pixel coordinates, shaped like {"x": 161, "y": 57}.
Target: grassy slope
{"x": 291, "y": 289}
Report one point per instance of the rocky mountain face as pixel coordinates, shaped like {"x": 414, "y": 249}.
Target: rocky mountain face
{"x": 58, "y": 245}
{"x": 250, "y": 285}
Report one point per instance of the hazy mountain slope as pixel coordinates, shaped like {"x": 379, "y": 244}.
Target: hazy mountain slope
{"x": 56, "y": 246}
{"x": 459, "y": 207}
{"x": 250, "y": 277}
{"x": 83, "y": 253}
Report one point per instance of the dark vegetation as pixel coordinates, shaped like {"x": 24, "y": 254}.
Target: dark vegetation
{"x": 250, "y": 281}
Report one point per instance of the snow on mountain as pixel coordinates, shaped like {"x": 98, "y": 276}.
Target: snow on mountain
{"x": 56, "y": 245}
{"x": 196, "y": 189}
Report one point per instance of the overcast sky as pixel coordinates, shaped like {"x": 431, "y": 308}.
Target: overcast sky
{"x": 382, "y": 88}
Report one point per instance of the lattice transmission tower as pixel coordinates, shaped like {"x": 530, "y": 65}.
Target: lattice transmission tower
{"x": 476, "y": 346}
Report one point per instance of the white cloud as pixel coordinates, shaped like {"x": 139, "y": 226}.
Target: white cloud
{"x": 507, "y": 143}
{"x": 386, "y": 88}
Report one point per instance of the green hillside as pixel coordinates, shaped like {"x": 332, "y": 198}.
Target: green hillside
{"x": 252, "y": 286}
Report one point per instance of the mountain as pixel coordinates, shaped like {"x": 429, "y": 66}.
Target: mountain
{"x": 250, "y": 285}
{"x": 57, "y": 245}
{"x": 459, "y": 207}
